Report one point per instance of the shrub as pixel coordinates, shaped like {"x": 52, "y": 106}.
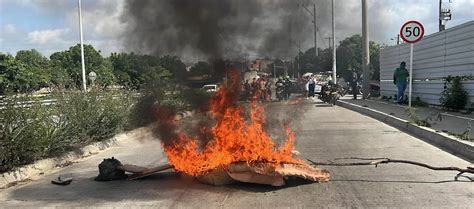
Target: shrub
{"x": 419, "y": 103}
{"x": 453, "y": 97}
{"x": 93, "y": 116}
{"x": 39, "y": 131}
{"x": 142, "y": 113}
{"x": 19, "y": 141}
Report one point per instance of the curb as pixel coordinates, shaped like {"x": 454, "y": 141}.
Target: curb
{"x": 39, "y": 167}
{"x": 464, "y": 150}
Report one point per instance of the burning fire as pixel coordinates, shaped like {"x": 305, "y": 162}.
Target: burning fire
{"x": 233, "y": 138}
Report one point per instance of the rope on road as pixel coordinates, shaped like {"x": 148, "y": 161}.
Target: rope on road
{"x": 377, "y": 161}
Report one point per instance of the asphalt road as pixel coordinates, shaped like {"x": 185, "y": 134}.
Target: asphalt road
{"x": 323, "y": 133}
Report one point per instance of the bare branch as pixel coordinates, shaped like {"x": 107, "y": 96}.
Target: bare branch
{"x": 377, "y": 161}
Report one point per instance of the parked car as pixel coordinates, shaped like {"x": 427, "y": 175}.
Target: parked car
{"x": 210, "y": 87}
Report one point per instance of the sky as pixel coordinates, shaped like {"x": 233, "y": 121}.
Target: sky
{"x": 52, "y": 25}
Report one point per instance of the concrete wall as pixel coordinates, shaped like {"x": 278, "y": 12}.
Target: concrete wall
{"x": 450, "y": 52}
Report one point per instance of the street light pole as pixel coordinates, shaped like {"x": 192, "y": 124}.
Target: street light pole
{"x": 315, "y": 28}
{"x": 84, "y": 84}
{"x": 366, "y": 53}
{"x": 316, "y": 53}
{"x": 333, "y": 44}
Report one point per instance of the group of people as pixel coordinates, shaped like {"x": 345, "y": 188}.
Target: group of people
{"x": 257, "y": 90}
{"x": 283, "y": 87}
{"x": 310, "y": 86}
{"x": 260, "y": 89}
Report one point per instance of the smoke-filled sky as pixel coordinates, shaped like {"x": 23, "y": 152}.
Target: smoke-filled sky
{"x": 199, "y": 29}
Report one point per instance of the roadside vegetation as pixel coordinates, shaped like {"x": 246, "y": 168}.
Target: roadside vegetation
{"x": 454, "y": 97}
{"x": 36, "y": 130}
{"x": 123, "y": 97}
{"x": 125, "y": 94}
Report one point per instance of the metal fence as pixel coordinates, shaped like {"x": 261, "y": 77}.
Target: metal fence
{"x": 450, "y": 52}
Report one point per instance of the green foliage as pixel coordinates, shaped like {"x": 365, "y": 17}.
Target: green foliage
{"x": 143, "y": 111}
{"x": 36, "y": 67}
{"x": 174, "y": 65}
{"x": 19, "y": 134}
{"x": 454, "y": 97}
{"x": 417, "y": 120}
{"x": 200, "y": 69}
{"x": 196, "y": 98}
{"x": 349, "y": 56}
{"x": 69, "y": 62}
{"x": 419, "y": 103}
{"x": 135, "y": 71}
{"x": 21, "y": 75}
{"x": 39, "y": 131}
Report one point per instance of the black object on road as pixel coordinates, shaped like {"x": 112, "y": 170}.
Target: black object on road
{"x": 108, "y": 170}
{"x": 64, "y": 179}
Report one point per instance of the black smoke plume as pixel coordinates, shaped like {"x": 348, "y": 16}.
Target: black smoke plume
{"x": 215, "y": 28}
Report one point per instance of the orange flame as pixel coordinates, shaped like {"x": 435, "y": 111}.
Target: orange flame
{"x": 233, "y": 138}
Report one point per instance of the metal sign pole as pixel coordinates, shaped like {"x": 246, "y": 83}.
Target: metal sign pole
{"x": 411, "y": 75}
{"x": 84, "y": 82}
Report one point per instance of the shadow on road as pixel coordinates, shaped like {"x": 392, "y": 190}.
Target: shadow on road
{"x": 259, "y": 188}
{"x": 161, "y": 186}
{"x": 401, "y": 181}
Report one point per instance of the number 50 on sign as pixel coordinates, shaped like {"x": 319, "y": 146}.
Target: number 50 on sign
{"x": 411, "y": 32}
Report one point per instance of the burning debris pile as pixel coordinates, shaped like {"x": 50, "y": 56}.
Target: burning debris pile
{"x": 233, "y": 148}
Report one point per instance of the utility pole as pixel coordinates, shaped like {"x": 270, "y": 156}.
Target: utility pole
{"x": 315, "y": 25}
{"x": 329, "y": 41}
{"x": 299, "y": 52}
{"x": 333, "y": 44}
{"x": 398, "y": 39}
{"x": 84, "y": 84}
{"x": 440, "y": 21}
{"x": 315, "y": 31}
{"x": 444, "y": 16}
{"x": 366, "y": 53}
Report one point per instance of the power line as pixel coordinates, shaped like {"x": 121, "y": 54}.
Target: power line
{"x": 322, "y": 40}
{"x": 329, "y": 40}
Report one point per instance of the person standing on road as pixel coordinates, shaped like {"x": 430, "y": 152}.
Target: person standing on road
{"x": 269, "y": 91}
{"x": 287, "y": 83}
{"x": 400, "y": 80}
{"x": 247, "y": 90}
{"x": 311, "y": 86}
{"x": 355, "y": 80}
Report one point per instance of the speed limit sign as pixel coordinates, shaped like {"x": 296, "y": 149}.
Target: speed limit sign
{"x": 412, "y": 31}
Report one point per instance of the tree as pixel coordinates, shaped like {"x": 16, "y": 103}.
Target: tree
{"x": 15, "y": 77}
{"x": 31, "y": 57}
{"x": 349, "y": 57}
{"x": 70, "y": 62}
{"x": 134, "y": 71}
{"x": 309, "y": 63}
{"x": 174, "y": 65}
{"x": 200, "y": 69}
{"x": 36, "y": 68}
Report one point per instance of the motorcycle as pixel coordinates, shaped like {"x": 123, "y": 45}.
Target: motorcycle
{"x": 330, "y": 93}
{"x": 280, "y": 91}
